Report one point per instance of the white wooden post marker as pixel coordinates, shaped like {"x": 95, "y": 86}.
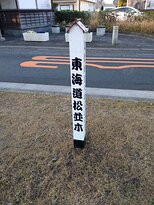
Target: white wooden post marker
{"x": 77, "y": 47}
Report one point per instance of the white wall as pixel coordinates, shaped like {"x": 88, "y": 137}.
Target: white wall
{"x": 62, "y": 7}
{"x": 8, "y": 4}
{"x": 27, "y": 4}
{"x": 44, "y": 4}
{"x": 93, "y": 1}
{"x": 84, "y": 6}
{"x": 87, "y": 6}
{"x": 76, "y": 5}
{"x": 150, "y": 4}
{"x": 31, "y": 4}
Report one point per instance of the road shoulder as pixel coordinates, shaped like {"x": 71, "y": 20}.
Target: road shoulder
{"x": 66, "y": 90}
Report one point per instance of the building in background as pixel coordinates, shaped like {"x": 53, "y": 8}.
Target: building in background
{"x": 18, "y": 15}
{"x": 149, "y": 4}
{"x": 115, "y": 2}
{"x": 105, "y": 5}
{"x": 78, "y": 5}
{"x": 138, "y": 4}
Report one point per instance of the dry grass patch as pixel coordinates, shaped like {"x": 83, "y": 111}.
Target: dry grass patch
{"x": 38, "y": 164}
{"x": 145, "y": 26}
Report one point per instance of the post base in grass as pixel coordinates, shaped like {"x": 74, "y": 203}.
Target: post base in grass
{"x": 79, "y": 144}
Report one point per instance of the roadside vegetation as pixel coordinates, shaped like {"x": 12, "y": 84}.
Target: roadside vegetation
{"x": 39, "y": 166}
{"x": 122, "y": 3}
{"x": 143, "y": 24}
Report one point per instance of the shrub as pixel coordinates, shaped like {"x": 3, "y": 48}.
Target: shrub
{"x": 66, "y": 17}
{"x": 101, "y": 18}
{"x": 149, "y": 15}
{"x": 107, "y": 19}
{"x": 54, "y": 6}
{"x": 94, "y": 21}
{"x": 122, "y": 2}
{"x": 143, "y": 24}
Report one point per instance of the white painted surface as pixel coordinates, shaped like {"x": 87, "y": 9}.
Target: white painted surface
{"x": 8, "y": 4}
{"x": 87, "y": 37}
{"x": 66, "y": 37}
{"x": 76, "y": 5}
{"x": 63, "y": 7}
{"x": 108, "y": 1}
{"x": 36, "y": 36}
{"x": 1, "y": 37}
{"x": 44, "y": 4}
{"x": 87, "y": 6}
{"x": 100, "y": 31}
{"x": 55, "y": 29}
{"x": 77, "y": 49}
{"x": 83, "y": 6}
{"x": 150, "y": 4}
{"x": 27, "y": 4}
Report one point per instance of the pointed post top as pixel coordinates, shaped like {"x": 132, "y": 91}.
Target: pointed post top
{"x": 79, "y": 24}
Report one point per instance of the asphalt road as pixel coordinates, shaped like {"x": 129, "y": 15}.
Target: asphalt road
{"x": 118, "y": 68}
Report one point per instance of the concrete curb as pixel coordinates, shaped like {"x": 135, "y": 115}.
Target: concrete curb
{"x": 97, "y": 92}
